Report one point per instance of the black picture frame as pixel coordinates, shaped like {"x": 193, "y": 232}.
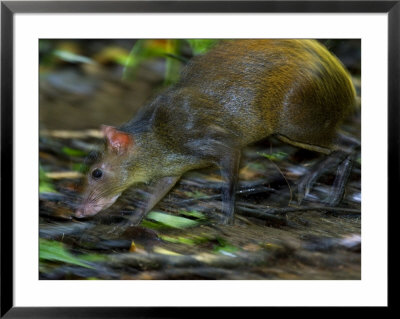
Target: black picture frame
{"x": 9, "y": 8}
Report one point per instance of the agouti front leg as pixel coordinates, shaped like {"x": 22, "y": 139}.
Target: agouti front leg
{"x": 157, "y": 191}
{"x": 229, "y": 166}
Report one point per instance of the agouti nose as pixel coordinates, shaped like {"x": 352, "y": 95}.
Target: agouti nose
{"x": 80, "y": 213}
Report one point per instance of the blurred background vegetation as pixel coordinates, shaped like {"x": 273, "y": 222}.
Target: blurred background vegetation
{"x": 83, "y": 82}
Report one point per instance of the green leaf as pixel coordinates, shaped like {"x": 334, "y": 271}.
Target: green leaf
{"x": 226, "y": 250}
{"x": 73, "y": 152}
{"x": 172, "y": 71}
{"x": 178, "y": 240}
{"x": 55, "y": 251}
{"x": 79, "y": 167}
{"x": 192, "y": 213}
{"x": 45, "y": 186}
{"x": 171, "y": 220}
{"x": 173, "y": 65}
{"x": 224, "y": 247}
{"x": 71, "y": 57}
{"x": 141, "y": 51}
{"x": 114, "y": 54}
{"x": 184, "y": 240}
{"x": 93, "y": 257}
{"x": 201, "y": 46}
{"x": 276, "y": 157}
{"x": 151, "y": 49}
{"x": 149, "y": 224}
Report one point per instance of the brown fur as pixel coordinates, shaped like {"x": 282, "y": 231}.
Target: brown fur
{"x": 238, "y": 93}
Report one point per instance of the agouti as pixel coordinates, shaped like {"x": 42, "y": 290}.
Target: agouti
{"x": 236, "y": 94}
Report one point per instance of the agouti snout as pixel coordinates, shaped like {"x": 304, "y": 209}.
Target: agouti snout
{"x": 239, "y": 92}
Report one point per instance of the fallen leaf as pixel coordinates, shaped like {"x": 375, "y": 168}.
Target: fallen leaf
{"x": 64, "y": 175}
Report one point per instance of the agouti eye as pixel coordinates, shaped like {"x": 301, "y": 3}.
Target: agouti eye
{"x": 97, "y": 173}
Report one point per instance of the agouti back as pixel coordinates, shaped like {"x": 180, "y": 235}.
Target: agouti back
{"x": 237, "y": 93}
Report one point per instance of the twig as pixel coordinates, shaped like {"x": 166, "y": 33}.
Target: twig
{"x": 72, "y": 134}
{"x": 336, "y": 210}
{"x": 244, "y": 191}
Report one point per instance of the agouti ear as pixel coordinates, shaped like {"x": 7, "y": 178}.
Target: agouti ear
{"x": 117, "y": 141}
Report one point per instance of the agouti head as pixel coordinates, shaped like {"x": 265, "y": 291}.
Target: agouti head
{"x": 119, "y": 167}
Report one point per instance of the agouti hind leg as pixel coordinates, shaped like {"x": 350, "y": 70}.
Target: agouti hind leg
{"x": 340, "y": 159}
{"x": 325, "y": 165}
{"x": 229, "y": 166}
{"x": 342, "y": 176}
